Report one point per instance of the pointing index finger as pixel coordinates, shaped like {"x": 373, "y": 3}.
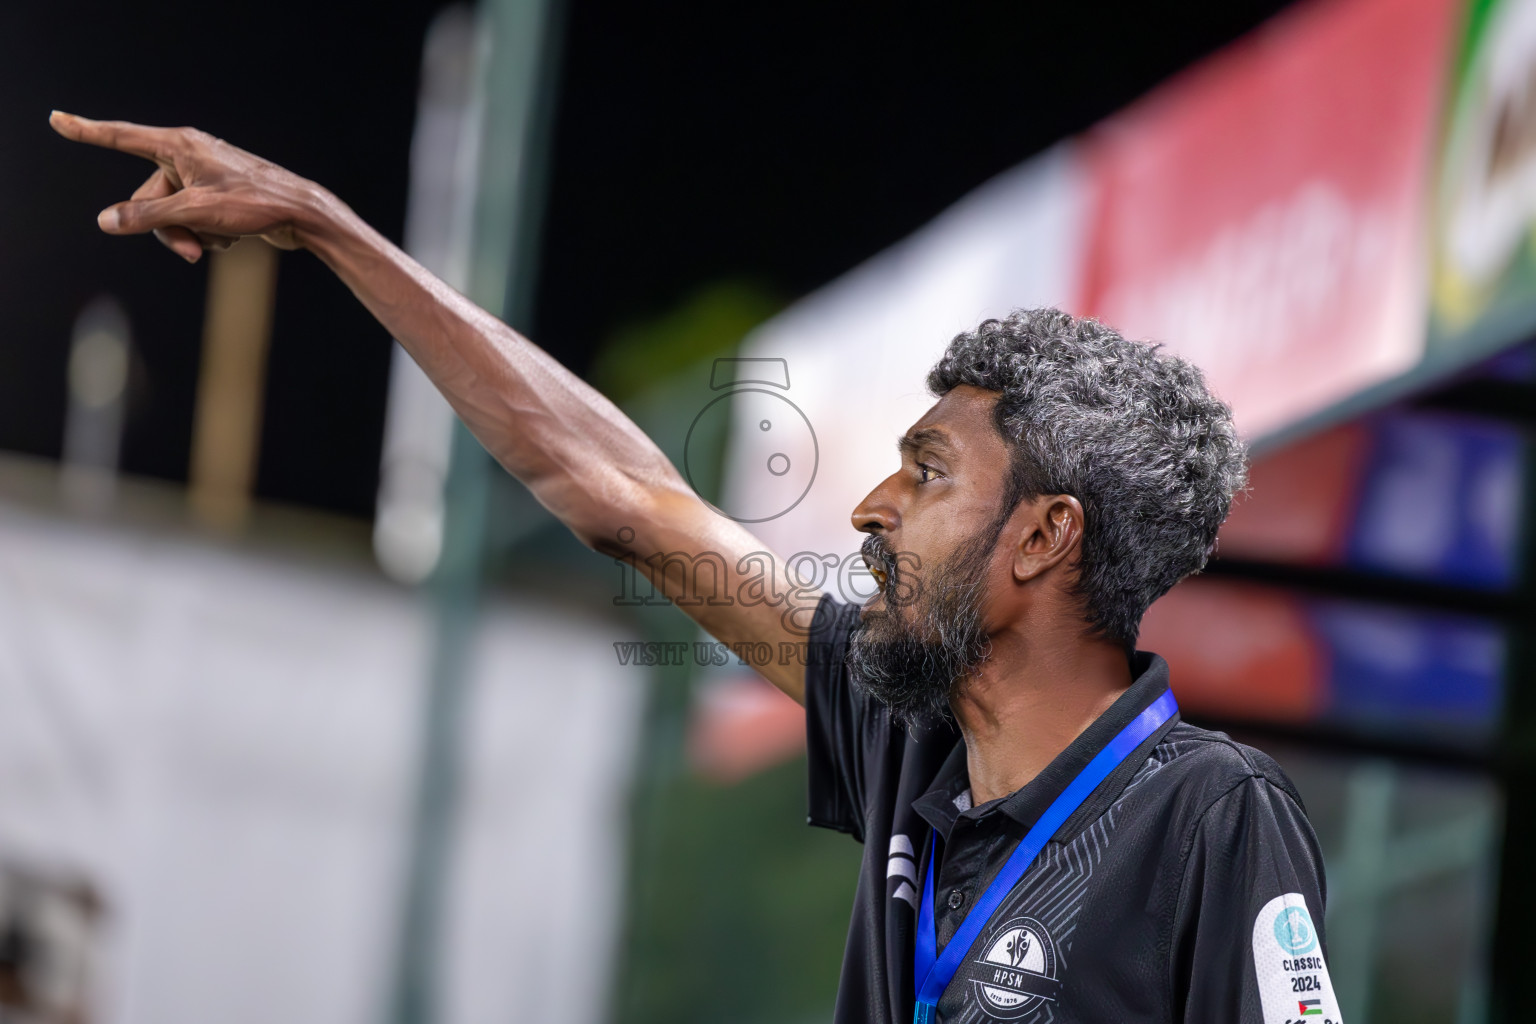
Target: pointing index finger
{"x": 124, "y": 136}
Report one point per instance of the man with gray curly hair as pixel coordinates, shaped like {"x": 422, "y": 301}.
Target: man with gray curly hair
{"x": 1017, "y": 771}
{"x": 1045, "y": 839}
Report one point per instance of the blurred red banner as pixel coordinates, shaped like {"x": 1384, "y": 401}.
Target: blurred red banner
{"x": 1265, "y": 212}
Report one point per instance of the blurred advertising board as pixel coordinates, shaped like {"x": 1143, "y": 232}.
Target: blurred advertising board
{"x": 1414, "y": 495}
{"x": 1484, "y": 283}
{"x": 1247, "y": 652}
{"x": 1431, "y": 498}
{"x": 1263, "y": 213}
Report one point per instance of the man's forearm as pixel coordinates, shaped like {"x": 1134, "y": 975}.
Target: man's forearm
{"x": 579, "y": 455}
{"x": 573, "y": 448}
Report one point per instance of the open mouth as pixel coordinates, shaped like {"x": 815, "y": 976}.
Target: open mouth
{"x": 875, "y": 565}
{"x": 877, "y": 560}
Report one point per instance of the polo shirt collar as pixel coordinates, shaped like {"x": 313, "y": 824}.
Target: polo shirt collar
{"x": 941, "y": 805}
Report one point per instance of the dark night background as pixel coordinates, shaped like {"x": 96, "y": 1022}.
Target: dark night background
{"x": 693, "y": 142}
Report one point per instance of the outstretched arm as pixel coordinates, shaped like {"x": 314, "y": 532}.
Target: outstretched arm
{"x": 581, "y": 457}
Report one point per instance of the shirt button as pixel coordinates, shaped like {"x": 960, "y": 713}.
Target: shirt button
{"x": 956, "y": 897}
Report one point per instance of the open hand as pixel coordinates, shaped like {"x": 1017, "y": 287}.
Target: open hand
{"x": 204, "y": 193}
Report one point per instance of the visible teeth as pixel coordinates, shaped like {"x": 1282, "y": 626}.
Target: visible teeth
{"x": 879, "y": 577}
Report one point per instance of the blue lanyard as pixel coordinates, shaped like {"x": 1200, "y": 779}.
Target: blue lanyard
{"x": 935, "y": 970}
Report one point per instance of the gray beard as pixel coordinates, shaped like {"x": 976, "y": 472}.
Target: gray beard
{"x": 915, "y": 664}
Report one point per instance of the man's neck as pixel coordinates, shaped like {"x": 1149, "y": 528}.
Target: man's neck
{"x": 1028, "y": 703}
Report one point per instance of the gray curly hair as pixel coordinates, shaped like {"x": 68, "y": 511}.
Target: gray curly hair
{"x": 1129, "y": 431}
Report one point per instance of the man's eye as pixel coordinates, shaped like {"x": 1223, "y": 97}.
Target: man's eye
{"x": 925, "y": 473}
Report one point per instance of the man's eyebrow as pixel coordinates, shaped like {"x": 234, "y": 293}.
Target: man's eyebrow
{"x": 928, "y": 437}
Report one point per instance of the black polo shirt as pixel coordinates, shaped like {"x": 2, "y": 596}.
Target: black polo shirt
{"x": 1187, "y": 887}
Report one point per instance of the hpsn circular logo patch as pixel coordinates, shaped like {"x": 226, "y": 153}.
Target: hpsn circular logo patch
{"x": 1294, "y": 931}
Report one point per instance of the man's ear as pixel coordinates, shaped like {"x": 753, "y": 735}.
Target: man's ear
{"x": 1050, "y": 531}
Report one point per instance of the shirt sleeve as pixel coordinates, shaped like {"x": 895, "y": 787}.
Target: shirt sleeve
{"x": 836, "y": 723}
{"x": 1248, "y": 933}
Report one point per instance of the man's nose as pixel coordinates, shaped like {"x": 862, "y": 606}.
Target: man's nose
{"x": 877, "y": 513}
